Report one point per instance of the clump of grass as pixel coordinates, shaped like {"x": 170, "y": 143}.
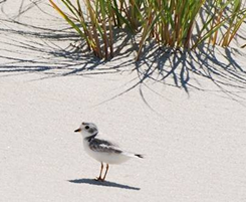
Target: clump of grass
{"x": 173, "y": 23}
{"x": 233, "y": 17}
{"x": 170, "y": 23}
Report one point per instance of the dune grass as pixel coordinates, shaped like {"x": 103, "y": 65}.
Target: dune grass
{"x": 173, "y": 23}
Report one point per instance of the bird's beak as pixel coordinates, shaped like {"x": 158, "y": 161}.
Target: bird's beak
{"x": 78, "y": 130}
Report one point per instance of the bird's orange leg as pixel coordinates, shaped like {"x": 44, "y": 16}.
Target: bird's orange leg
{"x": 100, "y": 175}
{"x": 104, "y": 177}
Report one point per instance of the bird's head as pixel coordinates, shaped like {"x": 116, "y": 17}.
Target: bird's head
{"x": 87, "y": 129}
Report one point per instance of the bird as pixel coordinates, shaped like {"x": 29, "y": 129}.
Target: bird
{"x": 102, "y": 150}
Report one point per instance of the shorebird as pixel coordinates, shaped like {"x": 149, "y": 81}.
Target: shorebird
{"x": 102, "y": 150}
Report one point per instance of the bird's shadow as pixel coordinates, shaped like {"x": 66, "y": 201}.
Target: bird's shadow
{"x": 104, "y": 184}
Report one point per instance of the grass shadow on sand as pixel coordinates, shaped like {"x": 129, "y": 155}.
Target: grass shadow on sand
{"x": 104, "y": 184}
{"x": 219, "y": 65}
{"x": 57, "y": 51}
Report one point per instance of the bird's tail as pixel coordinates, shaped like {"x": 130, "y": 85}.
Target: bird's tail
{"x": 139, "y": 156}
{"x": 132, "y": 155}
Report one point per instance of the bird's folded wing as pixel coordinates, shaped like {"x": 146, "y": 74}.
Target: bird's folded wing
{"x": 99, "y": 145}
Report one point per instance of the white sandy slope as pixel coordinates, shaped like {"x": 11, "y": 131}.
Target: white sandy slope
{"x": 194, "y": 144}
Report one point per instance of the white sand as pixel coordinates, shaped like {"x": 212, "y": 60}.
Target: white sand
{"x": 194, "y": 144}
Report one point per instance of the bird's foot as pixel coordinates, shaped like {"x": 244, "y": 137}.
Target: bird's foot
{"x": 99, "y": 179}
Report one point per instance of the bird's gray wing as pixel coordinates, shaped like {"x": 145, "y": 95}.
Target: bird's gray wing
{"x": 99, "y": 145}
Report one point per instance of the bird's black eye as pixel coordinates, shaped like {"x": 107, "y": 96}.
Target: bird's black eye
{"x": 87, "y": 127}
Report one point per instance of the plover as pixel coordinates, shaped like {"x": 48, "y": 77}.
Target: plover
{"x": 102, "y": 150}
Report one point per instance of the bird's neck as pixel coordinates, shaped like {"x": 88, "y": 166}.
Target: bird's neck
{"x": 91, "y": 137}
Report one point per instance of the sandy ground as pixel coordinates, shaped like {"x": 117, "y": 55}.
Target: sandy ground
{"x": 191, "y": 128}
